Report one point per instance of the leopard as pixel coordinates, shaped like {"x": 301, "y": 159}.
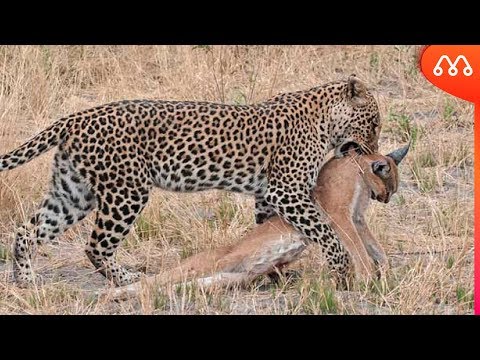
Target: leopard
{"x": 109, "y": 159}
{"x": 345, "y": 187}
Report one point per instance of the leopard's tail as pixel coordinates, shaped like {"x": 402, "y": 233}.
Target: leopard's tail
{"x": 52, "y": 136}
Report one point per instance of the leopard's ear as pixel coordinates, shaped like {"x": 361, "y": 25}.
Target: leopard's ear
{"x": 356, "y": 90}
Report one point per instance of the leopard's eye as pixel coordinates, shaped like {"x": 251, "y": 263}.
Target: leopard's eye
{"x": 375, "y": 126}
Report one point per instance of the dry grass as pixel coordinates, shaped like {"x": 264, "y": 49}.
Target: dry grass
{"x": 427, "y": 229}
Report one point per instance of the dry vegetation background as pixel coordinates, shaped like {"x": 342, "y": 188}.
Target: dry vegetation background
{"x": 427, "y": 228}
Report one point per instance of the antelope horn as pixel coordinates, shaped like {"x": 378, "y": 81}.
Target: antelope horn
{"x": 399, "y": 154}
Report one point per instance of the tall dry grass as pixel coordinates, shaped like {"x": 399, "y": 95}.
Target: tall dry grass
{"x": 427, "y": 229}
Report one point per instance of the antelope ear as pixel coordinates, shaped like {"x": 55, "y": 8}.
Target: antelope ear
{"x": 380, "y": 167}
{"x": 357, "y": 90}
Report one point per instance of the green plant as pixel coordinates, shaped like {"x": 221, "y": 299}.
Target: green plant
{"x": 399, "y": 199}
{"x": 380, "y": 287}
{"x": 374, "y": 61}
{"x": 238, "y": 97}
{"x": 4, "y": 253}
{"x": 464, "y": 296}
{"x": 450, "y": 262}
{"x": 320, "y": 299}
{"x": 205, "y": 48}
{"x": 449, "y": 113}
{"x": 402, "y": 126}
{"x": 144, "y": 228}
{"x": 160, "y": 301}
{"x": 187, "y": 250}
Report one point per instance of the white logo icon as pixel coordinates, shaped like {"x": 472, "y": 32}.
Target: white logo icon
{"x": 452, "y": 71}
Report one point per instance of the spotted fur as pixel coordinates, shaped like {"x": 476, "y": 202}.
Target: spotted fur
{"x": 109, "y": 159}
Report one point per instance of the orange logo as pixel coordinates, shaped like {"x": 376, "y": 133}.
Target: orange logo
{"x": 454, "y": 69}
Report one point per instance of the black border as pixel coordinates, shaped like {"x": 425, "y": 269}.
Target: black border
{"x": 263, "y": 36}
{"x": 241, "y": 23}
{"x": 236, "y": 335}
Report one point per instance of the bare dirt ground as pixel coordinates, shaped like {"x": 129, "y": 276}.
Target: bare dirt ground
{"x": 427, "y": 228}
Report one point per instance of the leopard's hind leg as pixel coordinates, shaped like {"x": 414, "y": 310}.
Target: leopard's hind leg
{"x": 67, "y": 201}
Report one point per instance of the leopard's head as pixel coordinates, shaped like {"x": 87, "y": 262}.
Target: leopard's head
{"x": 355, "y": 119}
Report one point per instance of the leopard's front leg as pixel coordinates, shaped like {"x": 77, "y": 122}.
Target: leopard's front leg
{"x": 299, "y": 210}
{"x": 293, "y": 201}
